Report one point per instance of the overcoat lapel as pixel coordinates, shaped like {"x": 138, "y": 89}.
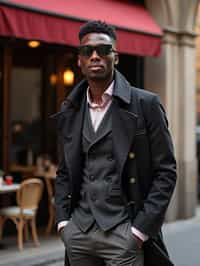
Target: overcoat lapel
{"x": 72, "y": 133}
{"x": 124, "y": 128}
{"x": 70, "y": 123}
{"x": 124, "y": 120}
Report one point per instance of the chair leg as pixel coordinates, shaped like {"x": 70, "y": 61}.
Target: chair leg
{"x": 2, "y": 221}
{"x": 26, "y": 232}
{"x": 20, "y": 226}
{"x": 34, "y": 232}
{"x": 51, "y": 220}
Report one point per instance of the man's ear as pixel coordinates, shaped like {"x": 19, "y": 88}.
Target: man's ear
{"x": 79, "y": 63}
{"x": 116, "y": 59}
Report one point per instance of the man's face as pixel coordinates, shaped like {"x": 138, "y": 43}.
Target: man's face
{"x": 94, "y": 65}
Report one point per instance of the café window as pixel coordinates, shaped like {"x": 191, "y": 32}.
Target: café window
{"x": 1, "y": 104}
{"x": 132, "y": 67}
{"x": 25, "y": 114}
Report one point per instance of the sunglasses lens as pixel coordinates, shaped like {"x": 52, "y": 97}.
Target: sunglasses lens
{"x": 86, "y": 50}
{"x": 102, "y": 50}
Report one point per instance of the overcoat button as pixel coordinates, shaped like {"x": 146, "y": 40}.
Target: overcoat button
{"x": 131, "y": 155}
{"x": 69, "y": 196}
{"x": 109, "y": 158}
{"x": 132, "y": 180}
{"x": 92, "y": 177}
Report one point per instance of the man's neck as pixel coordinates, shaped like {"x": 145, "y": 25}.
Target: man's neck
{"x": 97, "y": 89}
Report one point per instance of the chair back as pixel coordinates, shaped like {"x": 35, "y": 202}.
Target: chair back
{"x": 29, "y": 194}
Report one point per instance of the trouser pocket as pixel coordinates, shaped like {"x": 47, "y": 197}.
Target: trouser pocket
{"x": 66, "y": 233}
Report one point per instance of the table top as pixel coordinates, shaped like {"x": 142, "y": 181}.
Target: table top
{"x": 22, "y": 168}
{"x": 37, "y": 172}
{"x": 9, "y": 188}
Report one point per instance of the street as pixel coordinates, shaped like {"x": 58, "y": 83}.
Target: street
{"x": 183, "y": 241}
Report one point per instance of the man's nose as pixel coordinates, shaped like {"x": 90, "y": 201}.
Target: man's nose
{"x": 94, "y": 56}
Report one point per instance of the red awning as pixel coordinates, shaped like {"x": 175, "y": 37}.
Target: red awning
{"x": 58, "y": 21}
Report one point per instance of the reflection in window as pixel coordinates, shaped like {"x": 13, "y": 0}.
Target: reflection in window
{"x": 26, "y": 130}
{"x": 1, "y": 105}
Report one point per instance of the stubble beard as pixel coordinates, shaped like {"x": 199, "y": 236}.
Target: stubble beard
{"x": 99, "y": 76}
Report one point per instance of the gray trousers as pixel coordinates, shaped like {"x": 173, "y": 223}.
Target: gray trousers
{"x": 96, "y": 247}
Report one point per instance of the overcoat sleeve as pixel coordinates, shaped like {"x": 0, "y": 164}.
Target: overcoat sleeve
{"x": 62, "y": 189}
{"x": 151, "y": 216}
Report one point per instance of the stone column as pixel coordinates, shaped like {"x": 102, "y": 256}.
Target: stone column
{"x": 187, "y": 127}
{"x": 172, "y": 76}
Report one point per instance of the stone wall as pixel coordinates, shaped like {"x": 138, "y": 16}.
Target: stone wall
{"x": 172, "y": 75}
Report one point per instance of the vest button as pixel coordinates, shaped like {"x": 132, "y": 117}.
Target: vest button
{"x": 92, "y": 177}
{"x": 108, "y": 179}
{"x": 110, "y": 158}
{"x": 69, "y": 196}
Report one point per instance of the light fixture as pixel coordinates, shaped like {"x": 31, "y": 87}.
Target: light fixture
{"x": 33, "y": 44}
{"x": 68, "y": 77}
{"x": 53, "y": 79}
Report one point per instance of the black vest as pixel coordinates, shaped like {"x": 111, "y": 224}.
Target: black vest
{"x": 102, "y": 199}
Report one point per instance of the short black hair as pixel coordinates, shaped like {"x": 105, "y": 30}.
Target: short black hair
{"x": 97, "y": 26}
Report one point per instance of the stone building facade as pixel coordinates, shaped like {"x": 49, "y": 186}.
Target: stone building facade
{"x": 172, "y": 75}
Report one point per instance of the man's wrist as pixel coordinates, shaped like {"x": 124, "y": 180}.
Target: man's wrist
{"x": 139, "y": 234}
{"x": 61, "y": 225}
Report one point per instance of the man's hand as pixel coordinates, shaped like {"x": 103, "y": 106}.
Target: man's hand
{"x": 61, "y": 229}
{"x": 138, "y": 236}
{"x": 138, "y": 240}
{"x": 61, "y": 226}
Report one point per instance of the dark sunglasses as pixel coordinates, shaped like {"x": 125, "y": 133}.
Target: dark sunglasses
{"x": 101, "y": 49}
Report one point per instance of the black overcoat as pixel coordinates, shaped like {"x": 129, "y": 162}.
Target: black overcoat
{"x": 144, "y": 154}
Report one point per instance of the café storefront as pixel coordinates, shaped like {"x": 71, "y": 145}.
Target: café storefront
{"x": 38, "y": 68}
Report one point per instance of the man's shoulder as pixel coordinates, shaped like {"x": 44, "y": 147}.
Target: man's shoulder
{"x": 135, "y": 93}
{"x": 143, "y": 101}
{"x": 143, "y": 94}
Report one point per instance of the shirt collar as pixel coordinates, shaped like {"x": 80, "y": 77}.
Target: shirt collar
{"x": 107, "y": 93}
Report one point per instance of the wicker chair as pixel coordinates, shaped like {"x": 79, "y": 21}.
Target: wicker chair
{"x": 28, "y": 198}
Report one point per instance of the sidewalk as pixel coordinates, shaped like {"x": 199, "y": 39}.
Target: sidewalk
{"x": 51, "y": 250}
{"x": 182, "y": 239}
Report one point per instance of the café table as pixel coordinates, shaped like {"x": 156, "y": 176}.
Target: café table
{"x": 26, "y": 171}
{"x": 9, "y": 188}
{"x": 4, "y": 188}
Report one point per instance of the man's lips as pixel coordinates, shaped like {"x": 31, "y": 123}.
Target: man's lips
{"x": 95, "y": 67}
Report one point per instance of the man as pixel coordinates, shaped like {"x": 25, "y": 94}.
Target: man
{"x": 117, "y": 170}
